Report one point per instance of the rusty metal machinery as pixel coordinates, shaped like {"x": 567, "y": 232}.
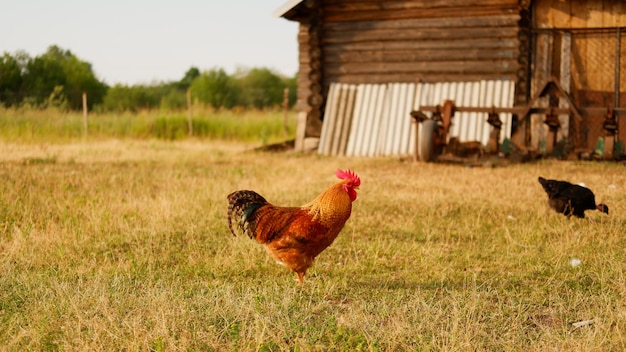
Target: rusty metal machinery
{"x": 551, "y": 90}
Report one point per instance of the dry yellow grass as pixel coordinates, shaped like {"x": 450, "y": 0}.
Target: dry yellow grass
{"x": 123, "y": 245}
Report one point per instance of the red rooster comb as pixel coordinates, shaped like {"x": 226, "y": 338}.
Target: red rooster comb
{"x": 349, "y": 174}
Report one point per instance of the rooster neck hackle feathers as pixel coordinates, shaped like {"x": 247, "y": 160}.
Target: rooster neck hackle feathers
{"x": 331, "y": 205}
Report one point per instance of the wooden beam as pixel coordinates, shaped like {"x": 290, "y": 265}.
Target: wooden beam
{"x": 475, "y": 67}
{"x": 504, "y": 20}
{"x": 338, "y": 56}
{"x": 477, "y": 43}
{"x": 364, "y": 5}
{"x": 331, "y": 15}
{"x": 412, "y": 77}
{"x": 418, "y": 34}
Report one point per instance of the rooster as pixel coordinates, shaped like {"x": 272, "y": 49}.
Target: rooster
{"x": 569, "y": 199}
{"x": 294, "y": 236}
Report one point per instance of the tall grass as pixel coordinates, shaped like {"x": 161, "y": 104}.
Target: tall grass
{"x": 123, "y": 245}
{"x": 30, "y": 125}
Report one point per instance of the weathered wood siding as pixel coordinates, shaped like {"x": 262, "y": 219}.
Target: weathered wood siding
{"x": 412, "y": 41}
{"x": 577, "y": 42}
{"x": 580, "y": 13}
{"x": 592, "y": 51}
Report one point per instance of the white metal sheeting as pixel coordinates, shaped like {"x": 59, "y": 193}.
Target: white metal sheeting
{"x": 374, "y": 120}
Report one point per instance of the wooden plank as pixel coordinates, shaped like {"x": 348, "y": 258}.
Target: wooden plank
{"x": 504, "y": 20}
{"x": 501, "y": 66}
{"x": 336, "y": 55}
{"x": 380, "y": 78}
{"x": 353, "y": 15}
{"x": 615, "y": 14}
{"x": 478, "y": 43}
{"x": 550, "y": 14}
{"x": 361, "y": 5}
{"x": 594, "y": 12}
{"x": 580, "y": 14}
{"x": 418, "y": 34}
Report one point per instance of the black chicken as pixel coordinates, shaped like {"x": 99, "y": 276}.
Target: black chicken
{"x": 569, "y": 199}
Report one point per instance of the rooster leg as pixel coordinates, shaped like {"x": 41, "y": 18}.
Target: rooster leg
{"x": 300, "y": 276}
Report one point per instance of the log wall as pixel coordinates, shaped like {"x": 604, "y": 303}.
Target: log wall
{"x": 404, "y": 41}
{"x": 419, "y": 41}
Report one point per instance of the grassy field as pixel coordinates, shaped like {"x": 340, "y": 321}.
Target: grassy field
{"x": 123, "y": 245}
{"x": 43, "y": 126}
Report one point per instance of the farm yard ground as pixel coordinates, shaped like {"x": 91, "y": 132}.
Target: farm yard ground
{"x": 123, "y": 245}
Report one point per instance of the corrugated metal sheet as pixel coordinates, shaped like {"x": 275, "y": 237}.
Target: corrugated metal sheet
{"x": 338, "y": 119}
{"x": 374, "y": 120}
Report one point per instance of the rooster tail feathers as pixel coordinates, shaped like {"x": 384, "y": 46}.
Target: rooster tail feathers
{"x": 242, "y": 206}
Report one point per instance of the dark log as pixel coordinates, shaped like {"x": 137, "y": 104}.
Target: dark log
{"x": 414, "y": 77}
{"x": 486, "y": 43}
{"x": 364, "y": 5}
{"x": 368, "y": 15}
{"x": 418, "y": 34}
{"x": 501, "y": 66}
{"x": 506, "y": 20}
{"x": 337, "y": 56}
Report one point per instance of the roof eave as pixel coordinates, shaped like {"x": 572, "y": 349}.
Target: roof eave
{"x": 287, "y": 10}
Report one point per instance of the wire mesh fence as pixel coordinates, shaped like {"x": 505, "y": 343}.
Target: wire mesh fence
{"x": 591, "y": 66}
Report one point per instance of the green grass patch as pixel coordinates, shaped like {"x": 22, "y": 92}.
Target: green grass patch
{"x": 38, "y": 126}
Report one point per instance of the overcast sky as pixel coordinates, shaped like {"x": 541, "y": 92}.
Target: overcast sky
{"x": 141, "y": 41}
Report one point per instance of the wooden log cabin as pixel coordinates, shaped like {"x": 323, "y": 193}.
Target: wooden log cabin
{"x": 356, "y": 42}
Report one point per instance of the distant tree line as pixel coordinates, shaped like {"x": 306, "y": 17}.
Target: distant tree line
{"x": 58, "y": 78}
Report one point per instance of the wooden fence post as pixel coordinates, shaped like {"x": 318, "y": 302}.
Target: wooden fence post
{"x": 286, "y": 111}
{"x": 85, "y": 115}
{"x": 189, "y": 120}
